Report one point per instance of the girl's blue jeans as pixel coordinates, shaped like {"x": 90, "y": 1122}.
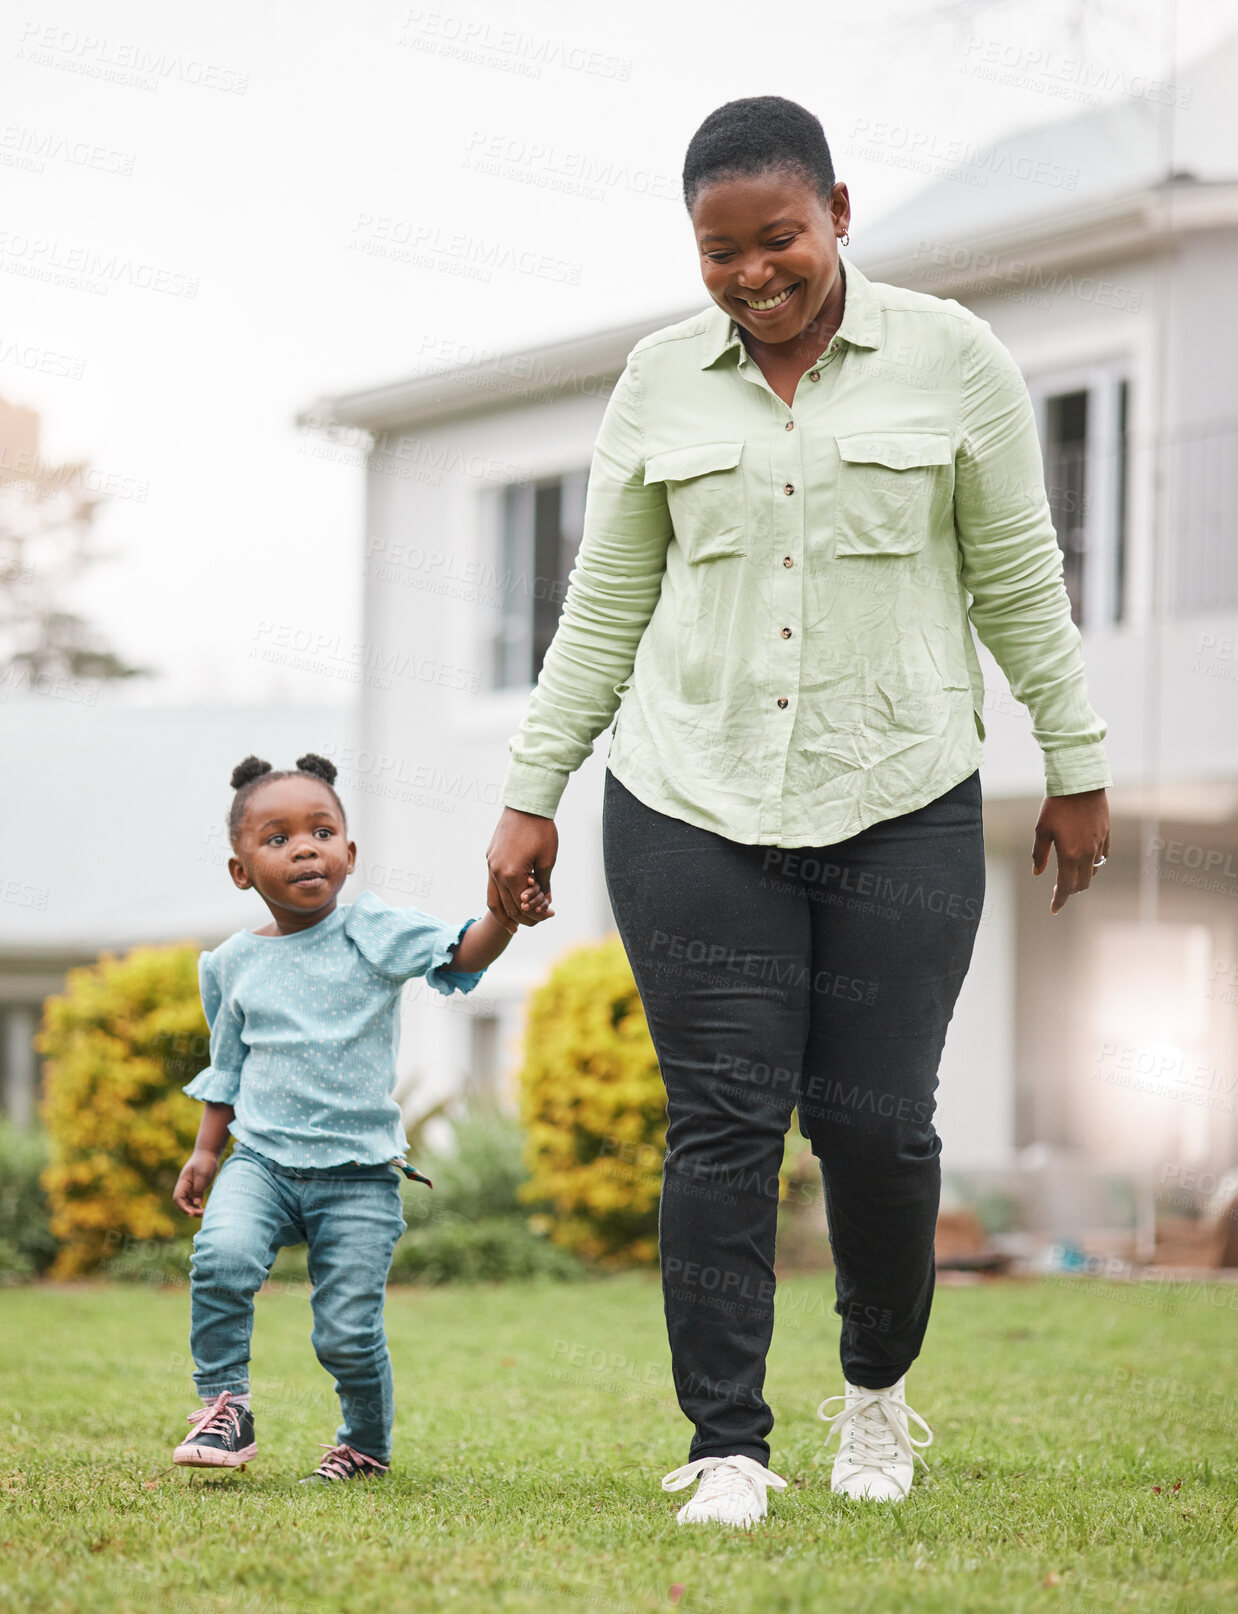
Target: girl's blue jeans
{"x": 350, "y": 1217}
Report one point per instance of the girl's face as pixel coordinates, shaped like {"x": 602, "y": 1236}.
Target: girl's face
{"x": 293, "y": 848}
{"x": 769, "y": 239}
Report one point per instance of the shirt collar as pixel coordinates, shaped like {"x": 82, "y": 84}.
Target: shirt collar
{"x": 861, "y": 324}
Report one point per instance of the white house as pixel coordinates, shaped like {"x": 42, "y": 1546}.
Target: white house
{"x": 1106, "y": 265}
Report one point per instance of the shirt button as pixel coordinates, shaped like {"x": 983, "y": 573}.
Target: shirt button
{"x": 790, "y": 488}
{"x": 790, "y": 426}
{"x": 787, "y": 561}
{"x": 786, "y": 633}
{"x": 815, "y": 375}
{"x": 782, "y": 702}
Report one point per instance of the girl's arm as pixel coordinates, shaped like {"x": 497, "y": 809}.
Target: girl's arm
{"x": 199, "y": 1170}
{"x": 484, "y": 940}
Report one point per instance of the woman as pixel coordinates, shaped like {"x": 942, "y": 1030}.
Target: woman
{"x": 797, "y": 500}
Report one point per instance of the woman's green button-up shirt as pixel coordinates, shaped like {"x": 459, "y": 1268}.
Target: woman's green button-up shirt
{"x": 777, "y": 599}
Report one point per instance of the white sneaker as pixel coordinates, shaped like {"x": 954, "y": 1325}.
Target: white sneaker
{"x": 877, "y": 1454}
{"x": 732, "y": 1491}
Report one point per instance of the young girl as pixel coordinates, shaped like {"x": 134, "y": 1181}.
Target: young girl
{"x": 303, "y": 1017}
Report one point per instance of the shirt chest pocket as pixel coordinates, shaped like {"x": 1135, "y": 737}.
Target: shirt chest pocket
{"x": 886, "y": 486}
{"x": 705, "y": 496}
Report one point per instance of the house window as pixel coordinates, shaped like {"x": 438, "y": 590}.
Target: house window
{"x": 1201, "y": 476}
{"x": 539, "y": 530}
{"x": 1084, "y": 431}
{"x": 1066, "y": 455}
{"x": 483, "y": 1078}
{"x": 1122, "y": 494}
{"x": 19, "y": 1063}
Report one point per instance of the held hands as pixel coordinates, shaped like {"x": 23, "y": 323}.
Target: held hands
{"x": 482, "y": 943}
{"x": 533, "y": 903}
{"x": 1078, "y": 826}
{"x": 520, "y": 857}
{"x": 197, "y": 1175}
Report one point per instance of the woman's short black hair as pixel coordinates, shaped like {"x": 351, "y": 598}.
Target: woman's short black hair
{"x": 251, "y": 773}
{"x": 752, "y": 136}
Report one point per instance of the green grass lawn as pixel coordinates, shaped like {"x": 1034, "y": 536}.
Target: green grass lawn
{"x": 1084, "y": 1460}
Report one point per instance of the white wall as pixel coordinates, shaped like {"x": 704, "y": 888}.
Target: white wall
{"x": 426, "y": 776}
{"x": 975, "y": 1096}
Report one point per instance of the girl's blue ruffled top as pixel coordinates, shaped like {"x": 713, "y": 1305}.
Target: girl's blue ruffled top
{"x": 304, "y": 1030}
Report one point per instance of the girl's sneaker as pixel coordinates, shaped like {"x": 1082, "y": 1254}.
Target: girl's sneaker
{"x": 222, "y": 1436}
{"x": 345, "y": 1463}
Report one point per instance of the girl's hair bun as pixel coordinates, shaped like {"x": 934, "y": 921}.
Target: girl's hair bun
{"x": 246, "y": 772}
{"x": 311, "y": 762}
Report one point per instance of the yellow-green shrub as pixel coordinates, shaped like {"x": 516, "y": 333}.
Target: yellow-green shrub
{"x": 594, "y": 1108}
{"x": 120, "y": 1042}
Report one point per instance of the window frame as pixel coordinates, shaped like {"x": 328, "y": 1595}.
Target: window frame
{"x": 496, "y": 635}
{"x": 1106, "y": 588}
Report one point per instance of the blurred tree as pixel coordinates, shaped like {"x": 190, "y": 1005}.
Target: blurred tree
{"x": 47, "y": 540}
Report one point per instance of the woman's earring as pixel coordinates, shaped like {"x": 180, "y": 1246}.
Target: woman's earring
{"x": 845, "y": 237}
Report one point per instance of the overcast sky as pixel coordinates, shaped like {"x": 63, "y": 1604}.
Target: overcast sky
{"x": 194, "y": 198}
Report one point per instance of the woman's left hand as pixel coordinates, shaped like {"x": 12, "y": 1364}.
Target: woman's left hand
{"x": 1079, "y": 827}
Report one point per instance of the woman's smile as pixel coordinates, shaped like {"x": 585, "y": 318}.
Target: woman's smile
{"x": 770, "y": 304}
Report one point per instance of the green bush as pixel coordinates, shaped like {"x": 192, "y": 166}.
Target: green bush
{"x": 471, "y": 1227}
{"x": 27, "y": 1244}
{"x": 120, "y": 1042}
{"x": 452, "y": 1249}
{"x": 150, "y": 1261}
{"x": 479, "y": 1176}
{"x": 594, "y": 1107}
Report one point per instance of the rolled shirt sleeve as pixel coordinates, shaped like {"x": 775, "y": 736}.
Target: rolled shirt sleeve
{"x": 612, "y": 591}
{"x": 1012, "y": 567}
{"x": 404, "y": 943}
{"x": 220, "y": 1082}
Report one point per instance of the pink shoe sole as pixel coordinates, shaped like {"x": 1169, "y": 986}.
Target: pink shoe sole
{"x": 191, "y": 1456}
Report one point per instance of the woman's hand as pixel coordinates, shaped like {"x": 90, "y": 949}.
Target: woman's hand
{"x": 522, "y": 844}
{"x": 197, "y": 1175}
{"x": 1079, "y": 827}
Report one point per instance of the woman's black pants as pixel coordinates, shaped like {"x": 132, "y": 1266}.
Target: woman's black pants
{"x": 819, "y": 980}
